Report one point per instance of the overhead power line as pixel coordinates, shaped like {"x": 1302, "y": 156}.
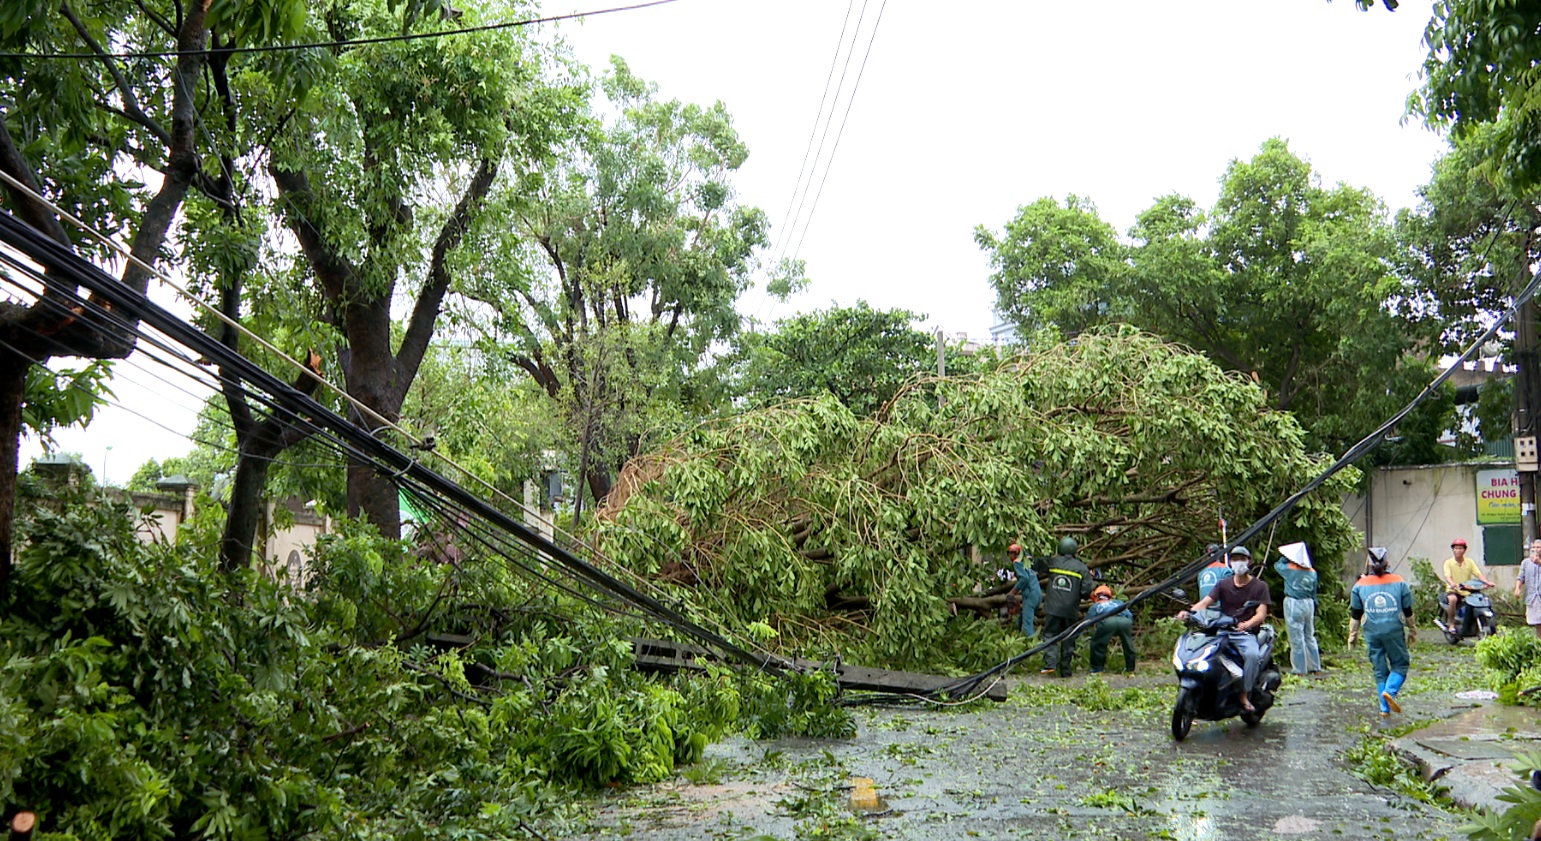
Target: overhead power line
{"x": 818, "y": 117}
{"x": 352, "y": 42}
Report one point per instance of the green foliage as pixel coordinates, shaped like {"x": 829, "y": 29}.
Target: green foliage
{"x": 1512, "y": 658}
{"x": 1478, "y": 78}
{"x": 1513, "y": 822}
{"x": 64, "y": 397}
{"x": 853, "y": 534}
{"x": 1374, "y": 761}
{"x": 145, "y": 695}
{"x": 860, "y": 355}
{"x": 1283, "y": 280}
{"x": 1427, "y": 587}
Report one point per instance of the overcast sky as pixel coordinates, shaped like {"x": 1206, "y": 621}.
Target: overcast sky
{"x": 964, "y": 112}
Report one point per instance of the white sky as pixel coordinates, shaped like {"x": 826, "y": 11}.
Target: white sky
{"x": 967, "y": 110}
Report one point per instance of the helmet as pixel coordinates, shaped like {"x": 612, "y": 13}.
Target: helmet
{"x": 1212, "y": 549}
{"x": 1241, "y": 551}
{"x": 1459, "y": 541}
{"x": 1378, "y": 554}
{"x": 1103, "y": 591}
{"x": 1068, "y": 546}
{"x": 1014, "y": 549}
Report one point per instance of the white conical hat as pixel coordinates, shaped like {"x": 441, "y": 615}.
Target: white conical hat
{"x": 1297, "y": 553}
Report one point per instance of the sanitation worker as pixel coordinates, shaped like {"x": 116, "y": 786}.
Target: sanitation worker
{"x": 1028, "y": 588}
{"x": 1300, "y": 607}
{"x": 1217, "y": 570}
{"x": 1245, "y": 598}
{"x": 1120, "y": 623}
{"x": 1069, "y": 581}
{"x": 1383, "y": 604}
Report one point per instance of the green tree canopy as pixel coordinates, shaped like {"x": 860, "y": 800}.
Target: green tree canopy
{"x": 860, "y": 355}
{"x": 1284, "y": 280}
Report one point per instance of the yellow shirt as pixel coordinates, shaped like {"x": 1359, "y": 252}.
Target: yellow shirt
{"x": 1460, "y": 573}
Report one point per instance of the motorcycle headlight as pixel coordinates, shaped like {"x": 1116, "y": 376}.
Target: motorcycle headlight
{"x": 1198, "y": 665}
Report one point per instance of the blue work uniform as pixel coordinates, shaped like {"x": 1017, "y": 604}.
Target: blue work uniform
{"x": 1300, "y": 616}
{"x": 1032, "y": 596}
{"x": 1120, "y": 623}
{"x": 1211, "y": 575}
{"x": 1380, "y": 602}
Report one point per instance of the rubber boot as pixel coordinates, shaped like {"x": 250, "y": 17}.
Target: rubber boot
{"x": 1388, "y": 696}
{"x": 1380, "y": 693}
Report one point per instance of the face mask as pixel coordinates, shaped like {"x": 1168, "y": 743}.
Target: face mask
{"x": 1240, "y": 567}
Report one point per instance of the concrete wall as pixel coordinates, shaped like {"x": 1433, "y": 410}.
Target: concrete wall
{"x": 288, "y": 547}
{"x": 1416, "y": 511}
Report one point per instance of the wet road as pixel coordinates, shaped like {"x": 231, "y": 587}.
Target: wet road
{"x": 1078, "y": 758}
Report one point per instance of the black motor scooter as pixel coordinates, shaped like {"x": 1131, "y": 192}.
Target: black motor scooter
{"x": 1474, "y": 615}
{"x": 1209, "y": 675}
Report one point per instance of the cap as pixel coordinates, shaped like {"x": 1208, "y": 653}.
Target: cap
{"x": 1378, "y": 554}
{"x": 1103, "y": 591}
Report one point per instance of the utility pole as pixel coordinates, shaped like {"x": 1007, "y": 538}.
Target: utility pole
{"x": 1527, "y": 396}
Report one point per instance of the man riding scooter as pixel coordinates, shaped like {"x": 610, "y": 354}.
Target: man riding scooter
{"x": 1245, "y": 598}
{"x": 1458, "y": 570}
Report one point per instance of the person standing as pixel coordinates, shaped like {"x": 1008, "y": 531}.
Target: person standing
{"x": 1458, "y": 570}
{"x": 1028, "y": 588}
{"x": 1528, "y": 586}
{"x": 1218, "y": 570}
{"x": 1245, "y": 598}
{"x": 1300, "y": 582}
{"x": 1069, "y": 581}
{"x": 1120, "y": 623}
{"x": 1383, "y": 604}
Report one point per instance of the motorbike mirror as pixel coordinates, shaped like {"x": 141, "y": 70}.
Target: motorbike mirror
{"x": 1250, "y": 603}
{"x": 1178, "y": 593}
{"x": 1535, "y": 779}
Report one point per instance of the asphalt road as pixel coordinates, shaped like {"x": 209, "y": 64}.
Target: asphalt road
{"x": 1076, "y": 758}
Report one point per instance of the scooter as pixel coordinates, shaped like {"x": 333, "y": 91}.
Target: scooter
{"x": 1209, "y": 675}
{"x": 1474, "y": 615}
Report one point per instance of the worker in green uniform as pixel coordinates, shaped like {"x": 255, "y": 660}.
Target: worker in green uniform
{"x": 1069, "y": 581}
{"x": 1300, "y": 580}
{"x": 1383, "y": 604}
{"x": 1027, "y": 586}
{"x": 1121, "y": 623}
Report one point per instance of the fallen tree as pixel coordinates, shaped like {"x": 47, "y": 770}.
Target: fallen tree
{"x": 872, "y": 535}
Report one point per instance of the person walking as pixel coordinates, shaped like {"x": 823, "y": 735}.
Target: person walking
{"x": 1459, "y": 569}
{"x": 1121, "y": 623}
{"x": 1245, "y": 598}
{"x": 1300, "y": 582}
{"x": 1069, "y": 581}
{"x": 1383, "y": 604}
{"x": 1027, "y": 588}
{"x": 1528, "y": 586}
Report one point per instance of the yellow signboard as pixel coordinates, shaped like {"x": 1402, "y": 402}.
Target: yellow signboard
{"x": 1498, "y": 497}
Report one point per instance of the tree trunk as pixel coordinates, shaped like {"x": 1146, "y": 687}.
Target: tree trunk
{"x": 13, "y": 384}
{"x": 245, "y": 512}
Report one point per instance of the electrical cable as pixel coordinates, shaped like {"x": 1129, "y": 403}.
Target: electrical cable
{"x": 830, "y": 162}
{"x": 818, "y": 117}
{"x": 352, "y": 42}
{"x": 55, "y": 257}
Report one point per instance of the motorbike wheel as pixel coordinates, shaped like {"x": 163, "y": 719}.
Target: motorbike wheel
{"x": 1486, "y": 628}
{"x": 1182, "y": 714}
{"x": 1452, "y": 638}
{"x": 1252, "y": 719}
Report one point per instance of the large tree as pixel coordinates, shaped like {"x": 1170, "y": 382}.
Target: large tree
{"x": 1284, "y": 280}
{"x": 71, "y": 129}
{"x": 638, "y": 252}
